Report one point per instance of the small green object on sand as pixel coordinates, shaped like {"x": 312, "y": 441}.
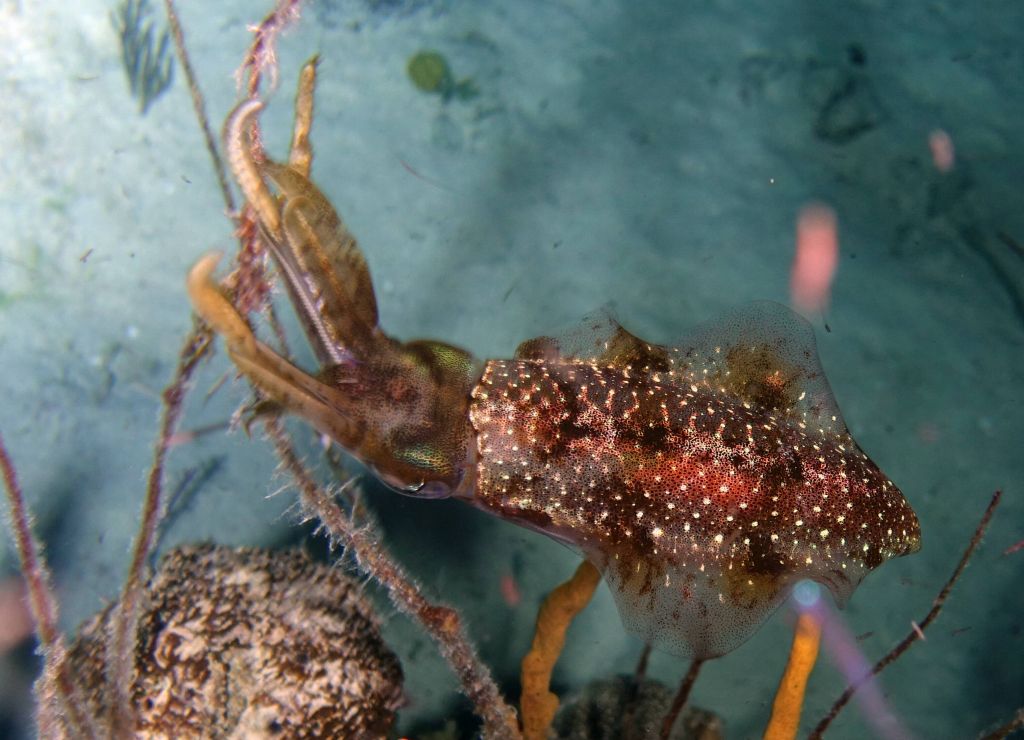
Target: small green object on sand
{"x": 430, "y": 72}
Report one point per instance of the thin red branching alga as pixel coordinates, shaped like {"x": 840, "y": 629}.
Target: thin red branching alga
{"x": 251, "y": 289}
{"x": 249, "y": 283}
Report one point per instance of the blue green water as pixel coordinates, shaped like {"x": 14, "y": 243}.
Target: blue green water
{"x": 653, "y": 154}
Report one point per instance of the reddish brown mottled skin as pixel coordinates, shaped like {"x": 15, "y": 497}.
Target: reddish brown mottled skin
{"x": 702, "y": 479}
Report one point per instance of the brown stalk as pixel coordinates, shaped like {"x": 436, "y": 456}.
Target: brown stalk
{"x": 121, "y": 647}
{"x": 1004, "y": 730}
{"x": 917, "y": 632}
{"x": 442, "y": 623}
{"x": 198, "y": 103}
{"x": 639, "y": 676}
{"x": 680, "y": 699}
{"x": 56, "y": 685}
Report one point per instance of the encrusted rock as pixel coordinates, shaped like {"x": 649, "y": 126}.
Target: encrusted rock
{"x": 619, "y": 709}
{"x": 249, "y": 643}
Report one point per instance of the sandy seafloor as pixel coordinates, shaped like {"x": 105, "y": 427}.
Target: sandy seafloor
{"x": 649, "y": 153}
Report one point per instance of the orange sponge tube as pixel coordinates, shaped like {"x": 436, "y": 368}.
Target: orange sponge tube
{"x": 789, "y": 698}
{"x": 537, "y": 704}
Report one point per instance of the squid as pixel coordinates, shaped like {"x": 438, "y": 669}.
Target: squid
{"x": 703, "y": 479}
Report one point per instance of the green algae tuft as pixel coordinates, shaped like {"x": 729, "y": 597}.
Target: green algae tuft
{"x": 430, "y": 72}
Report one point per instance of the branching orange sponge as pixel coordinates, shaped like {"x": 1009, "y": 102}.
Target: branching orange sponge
{"x": 537, "y": 704}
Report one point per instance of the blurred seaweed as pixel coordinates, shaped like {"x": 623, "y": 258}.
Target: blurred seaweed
{"x": 145, "y": 51}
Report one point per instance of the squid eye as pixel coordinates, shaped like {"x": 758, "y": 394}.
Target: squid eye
{"x": 430, "y": 489}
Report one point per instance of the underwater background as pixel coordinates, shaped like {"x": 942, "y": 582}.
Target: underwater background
{"x": 651, "y": 154}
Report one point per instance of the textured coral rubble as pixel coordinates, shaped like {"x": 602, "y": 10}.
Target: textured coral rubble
{"x": 250, "y": 643}
{"x": 621, "y": 709}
